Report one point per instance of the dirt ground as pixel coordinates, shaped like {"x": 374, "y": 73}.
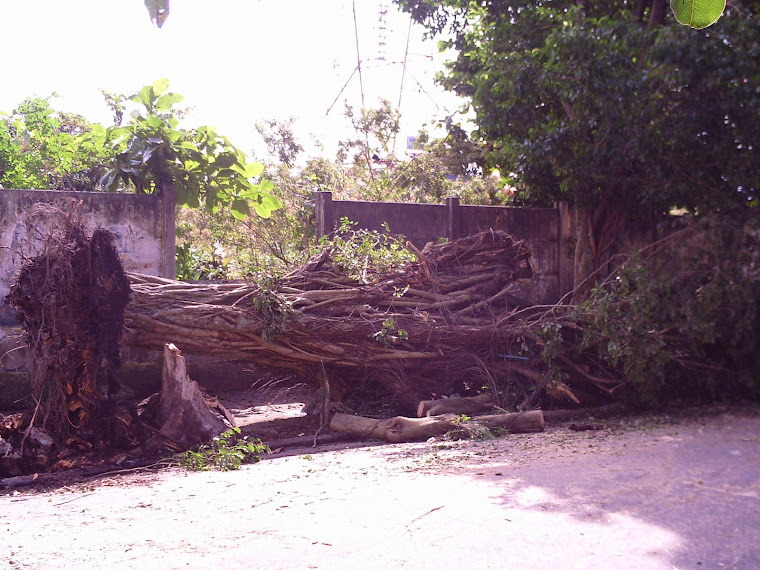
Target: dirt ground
{"x": 658, "y": 491}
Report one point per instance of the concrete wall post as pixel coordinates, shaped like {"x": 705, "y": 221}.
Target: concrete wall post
{"x": 325, "y": 221}
{"x": 167, "y": 229}
{"x": 454, "y": 222}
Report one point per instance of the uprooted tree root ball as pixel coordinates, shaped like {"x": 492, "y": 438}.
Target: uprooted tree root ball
{"x": 71, "y": 298}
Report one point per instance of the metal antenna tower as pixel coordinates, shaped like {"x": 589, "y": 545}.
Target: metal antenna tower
{"x": 382, "y": 30}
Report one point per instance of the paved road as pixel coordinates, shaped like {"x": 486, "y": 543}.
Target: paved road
{"x": 648, "y": 495}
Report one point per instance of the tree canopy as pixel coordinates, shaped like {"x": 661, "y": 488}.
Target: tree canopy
{"x": 608, "y": 101}
{"x": 696, "y": 14}
{"x": 44, "y": 148}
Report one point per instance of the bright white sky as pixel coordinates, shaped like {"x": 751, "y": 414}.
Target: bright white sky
{"x": 235, "y": 61}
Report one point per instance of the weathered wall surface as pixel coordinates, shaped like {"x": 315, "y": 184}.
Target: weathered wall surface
{"x": 143, "y": 226}
{"x": 545, "y": 230}
{"x": 137, "y": 222}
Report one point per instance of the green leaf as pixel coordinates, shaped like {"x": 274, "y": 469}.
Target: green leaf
{"x": 240, "y": 209}
{"x": 253, "y": 169}
{"x": 166, "y": 101}
{"x": 192, "y": 200}
{"x": 266, "y": 186}
{"x": 144, "y": 96}
{"x": 225, "y": 160}
{"x": 270, "y": 201}
{"x": 98, "y": 134}
{"x": 118, "y": 132}
{"x": 154, "y": 122}
{"x": 262, "y": 211}
{"x": 250, "y": 193}
{"x": 160, "y": 85}
{"x": 697, "y": 14}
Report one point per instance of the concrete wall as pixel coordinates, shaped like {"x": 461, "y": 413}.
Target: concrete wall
{"x": 142, "y": 224}
{"x": 546, "y": 231}
{"x": 137, "y": 221}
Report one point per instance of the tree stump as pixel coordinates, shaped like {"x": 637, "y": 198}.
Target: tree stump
{"x": 183, "y": 414}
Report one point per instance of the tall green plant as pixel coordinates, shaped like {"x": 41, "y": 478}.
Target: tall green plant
{"x": 38, "y": 149}
{"x": 205, "y": 167}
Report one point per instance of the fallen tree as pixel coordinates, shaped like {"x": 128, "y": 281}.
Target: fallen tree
{"x": 676, "y": 318}
{"x": 434, "y": 326}
{"x": 453, "y": 321}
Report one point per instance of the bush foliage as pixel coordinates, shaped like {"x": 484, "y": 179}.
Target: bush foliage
{"x": 679, "y": 320}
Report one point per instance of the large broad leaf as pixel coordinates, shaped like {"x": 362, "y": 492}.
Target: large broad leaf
{"x": 145, "y": 96}
{"x": 263, "y": 211}
{"x": 158, "y": 11}
{"x": 697, "y": 14}
{"x": 271, "y": 202}
{"x": 154, "y": 122}
{"x": 240, "y": 209}
{"x": 166, "y": 101}
{"x": 160, "y": 85}
{"x": 266, "y": 186}
{"x": 225, "y": 160}
{"x": 253, "y": 169}
{"x": 98, "y": 134}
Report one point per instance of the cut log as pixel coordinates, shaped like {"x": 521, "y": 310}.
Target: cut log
{"x": 520, "y": 422}
{"x": 464, "y": 405}
{"x": 401, "y": 429}
{"x": 183, "y": 414}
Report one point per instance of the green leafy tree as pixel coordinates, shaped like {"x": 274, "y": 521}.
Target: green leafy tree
{"x": 204, "y": 167}
{"x": 693, "y": 13}
{"x": 450, "y": 166}
{"x": 38, "y": 149}
{"x": 625, "y": 121}
{"x": 280, "y": 140}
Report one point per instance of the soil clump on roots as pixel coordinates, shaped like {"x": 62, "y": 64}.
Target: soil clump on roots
{"x": 71, "y": 298}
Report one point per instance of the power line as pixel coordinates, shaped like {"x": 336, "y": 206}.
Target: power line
{"x": 342, "y": 89}
{"x": 358, "y": 57}
{"x": 403, "y": 75}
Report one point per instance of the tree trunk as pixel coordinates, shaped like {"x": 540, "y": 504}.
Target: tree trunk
{"x": 411, "y": 332}
{"x": 657, "y": 16}
{"x": 401, "y": 429}
{"x": 583, "y": 262}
